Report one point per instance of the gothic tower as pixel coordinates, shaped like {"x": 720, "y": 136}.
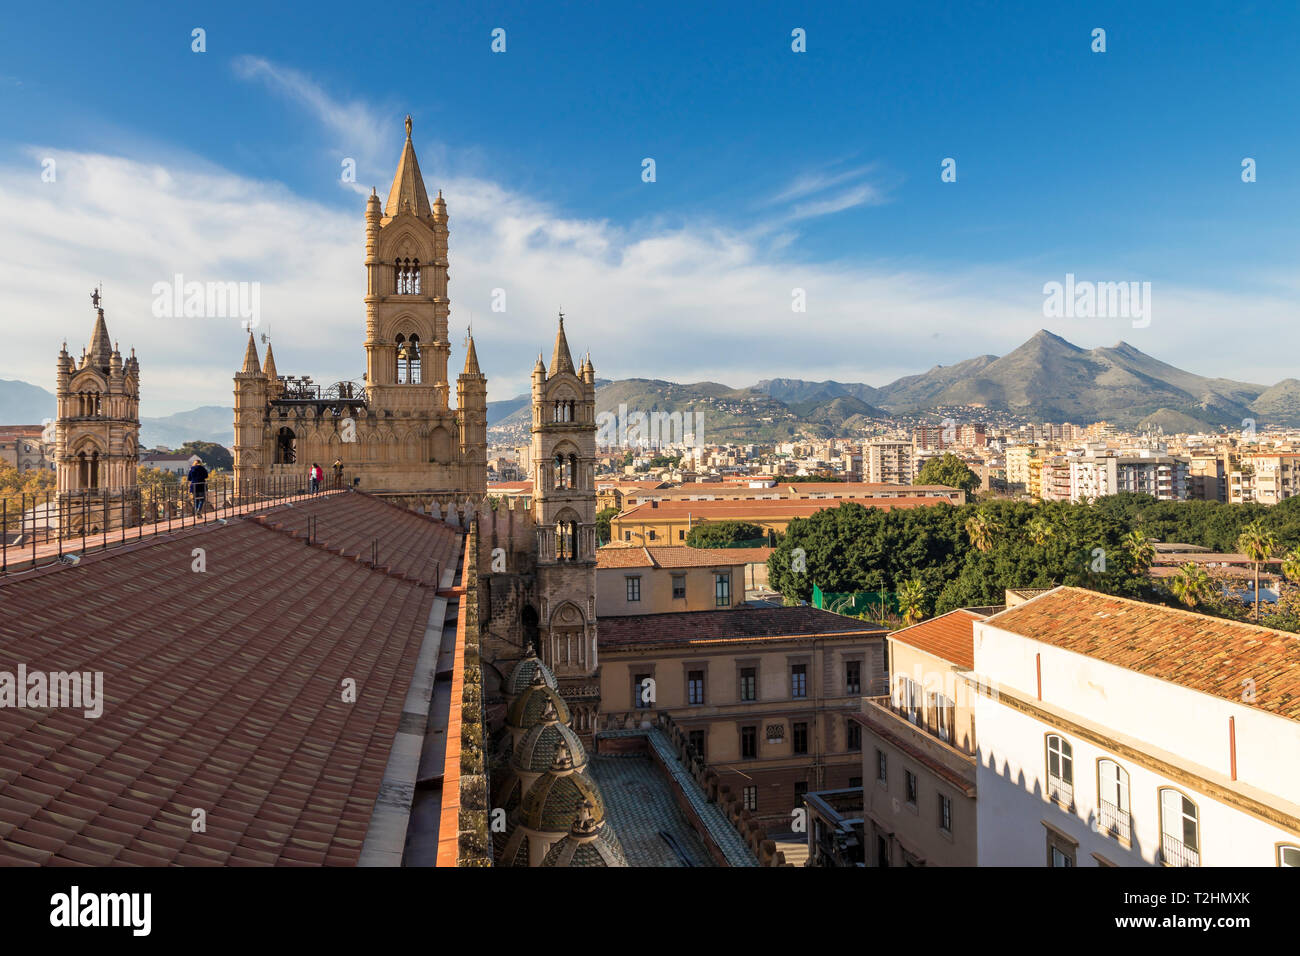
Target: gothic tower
{"x": 97, "y": 433}
{"x": 406, "y": 293}
{"x": 252, "y": 390}
{"x": 471, "y": 404}
{"x": 564, "y": 513}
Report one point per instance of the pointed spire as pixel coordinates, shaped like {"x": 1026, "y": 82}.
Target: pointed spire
{"x": 561, "y": 360}
{"x": 251, "y": 365}
{"x": 471, "y": 358}
{"x": 100, "y": 352}
{"x": 408, "y": 185}
{"x": 269, "y": 366}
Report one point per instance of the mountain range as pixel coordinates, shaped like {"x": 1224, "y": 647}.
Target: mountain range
{"x": 1045, "y": 379}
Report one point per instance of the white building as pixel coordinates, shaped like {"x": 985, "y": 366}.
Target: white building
{"x": 1095, "y": 475}
{"x": 1118, "y": 733}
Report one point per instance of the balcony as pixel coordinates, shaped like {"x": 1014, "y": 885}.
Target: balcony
{"x": 1060, "y": 791}
{"x": 1174, "y": 852}
{"x": 1115, "y": 821}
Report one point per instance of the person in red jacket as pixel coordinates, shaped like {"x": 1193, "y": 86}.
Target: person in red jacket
{"x": 315, "y": 477}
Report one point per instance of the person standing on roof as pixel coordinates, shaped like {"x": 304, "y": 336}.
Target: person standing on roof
{"x": 198, "y": 479}
{"x": 314, "y": 476}
{"x": 338, "y": 472}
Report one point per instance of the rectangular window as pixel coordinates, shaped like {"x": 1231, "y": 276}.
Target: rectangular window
{"x": 643, "y": 690}
{"x": 697, "y": 742}
{"x": 695, "y": 687}
{"x": 652, "y": 534}
{"x": 633, "y": 588}
{"x": 1060, "y": 849}
{"x": 681, "y": 534}
{"x": 854, "y": 736}
{"x": 855, "y": 782}
{"x": 882, "y": 766}
{"x": 909, "y": 779}
{"x": 750, "y": 795}
{"x": 627, "y": 535}
{"x": 853, "y": 677}
{"x": 941, "y": 714}
{"x": 798, "y": 680}
{"x": 748, "y": 683}
{"x": 945, "y": 814}
{"x": 679, "y": 587}
{"x": 749, "y": 742}
{"x": 907, "y": 699}
{"x": 801, "y": 738}
{"x": 722, "y": 590}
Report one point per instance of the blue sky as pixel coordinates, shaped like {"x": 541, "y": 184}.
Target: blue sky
{"x": 774, "y": 170}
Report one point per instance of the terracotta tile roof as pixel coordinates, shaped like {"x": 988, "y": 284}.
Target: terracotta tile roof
{"x": 674, "y": 556}
{"x": 738, "y": 624}
{"x": 1208, "y": 654}
{"x": 950, "y": 636}
{"x": 222, "y": 691}
{"x": 777, "y": 509}
{"x": 510, "y": 488}
{"x": 796, "y": 490}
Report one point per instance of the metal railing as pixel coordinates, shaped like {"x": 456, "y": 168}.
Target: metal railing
{"x": 1059, "y": 790}
{"x": 1174, "y": 852}
{"x": 1114, "y": 820}
{"x": 52, "y": 524}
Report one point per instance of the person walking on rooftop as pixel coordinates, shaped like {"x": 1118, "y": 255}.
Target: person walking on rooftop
{"x": 198, "y": 479}
{"x": 315, "y": 476}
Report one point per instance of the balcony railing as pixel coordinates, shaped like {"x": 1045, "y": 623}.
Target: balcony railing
{"x": 1174, "y": 852}
{"x": 1114, "y": 820}
{"x": 1060, "y": 791}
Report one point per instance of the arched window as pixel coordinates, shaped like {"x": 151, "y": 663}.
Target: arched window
{"x": 566, "y": 471}
{"x": 83, "y": 470}
{"x": 1060, "y": 769}
{"x": 1180, "y": 829}
{"x": 566, "y": 540}
{"x": 284, "y": 446}
{"x": 94, "y": 469}
{"x": 408, "y": 360}
{"x": 1112, "y": 799}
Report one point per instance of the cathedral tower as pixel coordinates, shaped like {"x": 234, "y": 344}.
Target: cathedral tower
{"x": 97, "y": 433}
{"x": 564, "y": 512}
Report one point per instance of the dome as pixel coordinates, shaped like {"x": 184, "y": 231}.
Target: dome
{"x": 511, "y": 852}
{"x": 530, "y": 706}
{"x": 522, "y": 676}
{"x": 587, "y": 844}
{"x": 536, "y": 752}
{"x": 552, "y": 803}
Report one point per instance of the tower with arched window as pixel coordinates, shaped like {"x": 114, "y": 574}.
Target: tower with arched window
{"x": 564, "y": 514}
{"x": 97, "y": 433}
{"x": 394, "y": 430}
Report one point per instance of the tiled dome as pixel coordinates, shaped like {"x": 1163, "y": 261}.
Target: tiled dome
{"x": 587, "y": 844}
{"x": 522, "y": 676}
{"x": 530, "y": 706}
{"x": 552, "y": 803}
{"x": 536, "y": 752}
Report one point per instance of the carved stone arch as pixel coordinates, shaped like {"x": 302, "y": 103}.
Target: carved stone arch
{"x": 405, "y": 323}
{"x": 567, "y": 614}
{"x": 409, "y": 240}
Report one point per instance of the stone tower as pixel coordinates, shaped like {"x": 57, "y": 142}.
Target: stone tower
{"x": 252, "y": 390}
{"x": 97, "y": 433}
{"x": 564, "y": 513}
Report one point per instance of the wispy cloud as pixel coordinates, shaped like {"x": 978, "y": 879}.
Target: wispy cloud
{"x": 815, "y": 182}
{"x": 864, "y": 195}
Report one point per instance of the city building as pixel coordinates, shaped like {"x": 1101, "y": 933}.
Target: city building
{"x": 640, "y": 580}
{"x": 1100, "y": 473}
{"x": 1118, "y": 733}
{"x": 889, "y": 462}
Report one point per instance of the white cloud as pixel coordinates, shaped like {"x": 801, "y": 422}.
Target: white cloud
{"x": 688, "y": 303}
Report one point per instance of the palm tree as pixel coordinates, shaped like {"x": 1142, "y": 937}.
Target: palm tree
{"x": 1192, "y": 585}
{"x": 981, "y": 528}
{"x": 911, "y": 598}
{"x": 1291, "y": 565}
{"x": 1140, "y": 551}
{"x": 1258, "y": 545}
{"x": 1040, "y": 530}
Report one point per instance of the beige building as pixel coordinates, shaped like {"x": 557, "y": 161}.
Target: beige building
{"x": 660, "y": 580}
{"x": 889, "y": 462}
{"x": 24, "y": 448}
{"x": 1264, "y": 479}
{"x": 918, "y": 749}
{"x": 765, "y": 694}
{"x": 396, "y": 432}
{"x": 1019, "y": 461}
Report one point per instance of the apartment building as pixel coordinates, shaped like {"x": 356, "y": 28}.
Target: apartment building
{"x": 950, "y": 436}
{"x": 1101, "y": 473}
{"x": 1265, "y": 479}
{"x": 765, "y": 694}
{"x": 1019, "y": 458}
{"x": 1118, "y": 733}
{"x": 643, "y": 580}
{"x": 27, "y": 447}
{"x": 1207, "y": 477}
{"x": 887, "y": 461}
{"x": 918, "y": 749}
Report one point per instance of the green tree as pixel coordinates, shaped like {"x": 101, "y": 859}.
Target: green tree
{"x": 1141, "y": 554}
{"x": 981, "y": 528}
{"x": 723, "y": 534}
{"x": 1040, "y": 530}
{"x": 911, "y": 601}
{"x": 216, "y": 457}
{"x": 1192, "y": 585}
{"x": 1258, "y": 544}
{"x": 948, "y": 470}
{"x": 1291, "y": 565}
{"x": 602, "y": 524}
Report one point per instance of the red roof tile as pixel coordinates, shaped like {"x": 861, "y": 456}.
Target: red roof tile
{"x": 950, "y": 636}
{"x": 742, "y": 623}
{"x": 222, "y": 690}
{"x": 1208, "y": 654}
